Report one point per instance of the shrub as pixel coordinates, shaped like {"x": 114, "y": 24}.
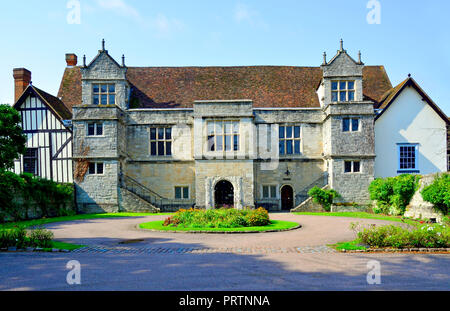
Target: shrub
{"x": 438, "y": 193}
{"x": 16, "y": 236}
{"x": 393, "y": 194}
{"x": 218, "y": 218}
{"x": 323, "y": 197}
{"x": 41, "y": 238}
{"x": 41, "y": 191}
{"x": 426, "y": 236}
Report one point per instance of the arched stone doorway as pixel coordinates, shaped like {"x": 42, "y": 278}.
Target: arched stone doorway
{"x": 223, "y": 194}
{"x": 287, "y": 198}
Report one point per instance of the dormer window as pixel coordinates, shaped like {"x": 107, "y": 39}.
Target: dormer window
{"x": 342, "y": 91}
{"x": 104, "y": 94}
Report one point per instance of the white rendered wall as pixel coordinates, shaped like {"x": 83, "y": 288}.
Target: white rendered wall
{"x": 409, "y": 119}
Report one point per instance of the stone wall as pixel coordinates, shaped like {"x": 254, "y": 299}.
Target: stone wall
{"x": 420, "y": 209}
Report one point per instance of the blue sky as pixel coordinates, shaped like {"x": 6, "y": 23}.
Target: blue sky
{"x": 412, "y": 37}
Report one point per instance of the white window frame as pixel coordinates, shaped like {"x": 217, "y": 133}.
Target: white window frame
{"x": 293, "y": 139}
{"x": 352, "y": 171}
{"x": 107, "y": 93}
{"x": 350, "y": 129}
{"x": 416, "y": 168}
{"x": 96, "y": 169}
{"x": 95, "y": 129}
{"x": 157, "y": 140}
{"x": 346, "y": 90}
{"x": 182, "y": 192}
{"x": 269, "y": 191}
{"x": 235, "y": 124}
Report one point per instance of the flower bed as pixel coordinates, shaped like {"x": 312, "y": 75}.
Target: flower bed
{"x": 391, "y": 236}
{"x": 218, "y": 218}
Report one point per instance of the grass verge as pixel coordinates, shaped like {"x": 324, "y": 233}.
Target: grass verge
{"x": 43, "y": 221}
{"x": 349, "y": 246}
{"x": 274, "y": 225}
{"x": 361, "y": 215}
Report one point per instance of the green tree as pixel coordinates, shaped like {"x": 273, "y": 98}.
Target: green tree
{"x": 12, "y": 140}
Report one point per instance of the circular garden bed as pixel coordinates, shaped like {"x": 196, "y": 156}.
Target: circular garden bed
{"x": 220, "y": 221}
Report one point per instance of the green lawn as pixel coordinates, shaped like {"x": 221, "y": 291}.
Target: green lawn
{"x": 274, "y": 225}
{"x": 43, "y": 221}
{"x": 349, "y": 246}
{"x": 362, "y": 215}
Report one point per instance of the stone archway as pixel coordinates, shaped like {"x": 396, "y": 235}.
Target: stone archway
{"x": 210, "y": 184}
{"x": 287, "y": 198}
{"x": 223, "y": 194}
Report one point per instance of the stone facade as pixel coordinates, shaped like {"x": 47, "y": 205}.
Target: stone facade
{"x": 133, "y": 179}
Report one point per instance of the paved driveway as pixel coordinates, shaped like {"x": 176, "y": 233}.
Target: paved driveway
{"x": 213, "y": 266}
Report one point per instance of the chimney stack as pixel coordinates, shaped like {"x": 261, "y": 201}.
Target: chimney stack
{"x": 22, "y": 78}
{"x": 71, "y": 60}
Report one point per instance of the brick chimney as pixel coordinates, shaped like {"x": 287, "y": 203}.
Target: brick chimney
{"x": 71, "y": 60}
{"x": 22, "y": 78}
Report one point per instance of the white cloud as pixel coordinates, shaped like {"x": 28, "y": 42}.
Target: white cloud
{"x": 165, "y": 26}
{"x": 245, "y": 14}
{"x": 120, "y": 7}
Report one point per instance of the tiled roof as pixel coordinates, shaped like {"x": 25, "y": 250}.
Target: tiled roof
{"x": 267, "y": 86}
{"x": 55, "y": 103}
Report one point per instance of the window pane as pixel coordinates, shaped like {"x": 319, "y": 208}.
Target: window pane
{"x": 211, "y": 143}
{"x": 153, "y": 148}
{"x": 177, "y": 192}
{"x": 160, "y": 133}
{"x": 342, "y": 96}
{"x": 99, "y": 129}
{"x": 273, "y": 191}
{"x": 228, "y": 127}
{"x": 345, "y": 124}
{"x": 104, "y": 99}
{"x": 297, "y": 132}
{"x": 99, "y": 168}
{"x": 228, "y": 142}
{"x": 153, "y": 133}
{"x": 235, "y": 127}
{"x": 348, "y": 167}
{"x": 219, "y": 129}
{"x": 236, "y": 143}
{"x": 186, "y": 193}
{"x": 210, "y": 128}
{"x": 351, "y": 96}
{"x": 168, "y": 133}
{"x": 282, "y": 147}
{"x": 265, "y": 191}
{"x": 112, "y": 99}
{"x": 95, "y": 100}
{"x": 351, "y": 85}
{"x": 91, "y": 129}
{"x": 96, "y": 88}
{"x": 356, "y": 166}
{"x": 219, "y": 142}
{"x": 289, "y": 147}
{"x": 355, "y": 124}
{"x": 112, "y": 88}
{"x": 342, "y": 85}
{"x": 297, "y": 147}
{"x": 281, "y": 132}
{"x": 334, "y": 96}
{"x": 288, "y": 131}
{"x": 168, "y": 148}
{"x": 160, "y": 148}
{"x": 103, "y": 88}
{"x": 91, "y": 168}
{"x": 334, "y": 85}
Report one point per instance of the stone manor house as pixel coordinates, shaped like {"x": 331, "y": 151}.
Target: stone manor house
{"x": 149, "y": 138}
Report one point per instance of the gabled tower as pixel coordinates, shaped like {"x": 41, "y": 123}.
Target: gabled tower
{"x": 99, "y": 126}
{"x": 348, "y": 129}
